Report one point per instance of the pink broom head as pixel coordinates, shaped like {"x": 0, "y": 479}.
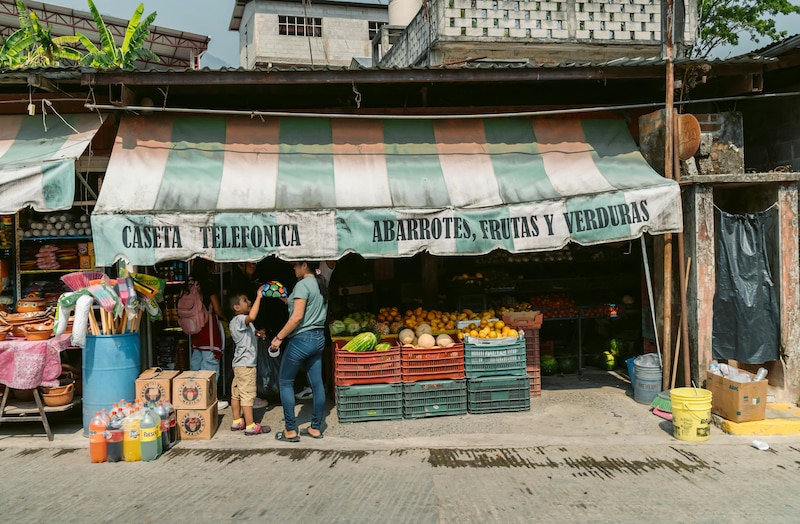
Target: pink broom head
{"x": 75, "y": 281}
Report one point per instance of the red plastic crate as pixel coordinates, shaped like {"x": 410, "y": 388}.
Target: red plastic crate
{"x": 432, "y": 364}
{"x": 535, "y": 374}
{"x": 372, "y": 367}
{"x": 531, "y": 347}
{"x": 524, "y": 319}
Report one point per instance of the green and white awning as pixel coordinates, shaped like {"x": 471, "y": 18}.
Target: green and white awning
{"x": 236, "y": 188}
{"x": 37, "y": 159}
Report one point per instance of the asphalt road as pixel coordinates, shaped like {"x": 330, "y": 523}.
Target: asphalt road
{"x": 585, "y": 452}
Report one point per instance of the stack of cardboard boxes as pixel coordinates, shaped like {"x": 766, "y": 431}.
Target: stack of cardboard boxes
{"x": 192, "y": 393}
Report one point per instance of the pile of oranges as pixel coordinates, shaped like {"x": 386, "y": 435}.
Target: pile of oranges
{"x": 486, "y": 328}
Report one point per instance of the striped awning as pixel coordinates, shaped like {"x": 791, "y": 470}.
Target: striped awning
{"x": 236, "y": 189}
{"x": 37, "y": 159}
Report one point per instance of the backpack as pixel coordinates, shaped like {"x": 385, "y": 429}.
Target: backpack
{"x": 192, "y": 314}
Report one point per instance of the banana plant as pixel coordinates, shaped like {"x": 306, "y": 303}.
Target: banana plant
{"x": 109, "y": 54}
{"x": 34, "y": 45}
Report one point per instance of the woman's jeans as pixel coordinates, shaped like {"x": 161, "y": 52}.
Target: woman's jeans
{"x": 303, "y": 350}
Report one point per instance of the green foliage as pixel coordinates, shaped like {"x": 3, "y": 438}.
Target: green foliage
{"x": 34, "y": 45}
{"x": 723, "y": 22}
{"x": 132, "y": 49}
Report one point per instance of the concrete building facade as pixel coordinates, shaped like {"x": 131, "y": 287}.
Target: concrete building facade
{"x": 286, "y": 33}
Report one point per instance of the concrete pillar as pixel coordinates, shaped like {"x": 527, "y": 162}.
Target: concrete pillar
{"x": 787, "y": 282}
{"x": 699, "y": 236}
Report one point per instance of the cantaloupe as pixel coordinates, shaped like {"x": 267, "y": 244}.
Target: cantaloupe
{"x": 444, "y": 340}
{"x": 426, "y": 341}
{"x": 423, "y": 329}
{"x": 406, "y": 336}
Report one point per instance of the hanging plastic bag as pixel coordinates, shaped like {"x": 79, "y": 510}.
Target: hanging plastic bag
{"x": 82, "y": 311}
{"x": 267, "y": 372}
{"x": 746, "y": 314}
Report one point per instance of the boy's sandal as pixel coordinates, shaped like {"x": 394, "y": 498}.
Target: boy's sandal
{"x": 280, "y": 435}
{"x": 238, "y": 426}
{"x": 305, "y": 433}
{"x": 257, "y": 430}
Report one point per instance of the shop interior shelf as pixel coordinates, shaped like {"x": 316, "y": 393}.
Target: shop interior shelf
{"x": 65, "y": 237}
{"x": 42, "y": 271}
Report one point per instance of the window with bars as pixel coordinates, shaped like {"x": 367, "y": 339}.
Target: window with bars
{"x": 299, "y": 26}
{"x": 374, "y": 28}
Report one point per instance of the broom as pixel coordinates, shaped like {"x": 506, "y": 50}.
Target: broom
{"x": 662, "y": 403}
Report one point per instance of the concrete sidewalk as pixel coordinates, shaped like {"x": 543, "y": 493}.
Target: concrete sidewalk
{"x": 572, "y": 409}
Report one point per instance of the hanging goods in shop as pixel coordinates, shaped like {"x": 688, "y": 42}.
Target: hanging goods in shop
{"x": 192, "y": 313}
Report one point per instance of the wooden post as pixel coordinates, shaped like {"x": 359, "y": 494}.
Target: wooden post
{"x": 668, "y": 172}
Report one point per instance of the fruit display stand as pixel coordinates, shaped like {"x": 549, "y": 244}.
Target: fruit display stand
{"x": 432, "y": 398}
{"x": 369, "y": 402}
{"x": 370, "y": 367}
{"x": 432, "y": 364}
{"x": 497, "y": 379}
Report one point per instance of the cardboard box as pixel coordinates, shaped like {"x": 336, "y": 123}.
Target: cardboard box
{"x": 194, "y": 390}
{"x": 198, "y": 424}
{"x": 85, "y": 262}
{"x": 155, "y": 384}
{"x": 738, "y": 401}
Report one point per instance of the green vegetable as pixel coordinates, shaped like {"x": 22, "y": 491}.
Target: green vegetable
{"x": 337, "y": 327}
{"x": 383, "y": 346}
{"x": 549, "y": 365}
{"x": 361, "y": 343}
{"x": 353, "y": 328}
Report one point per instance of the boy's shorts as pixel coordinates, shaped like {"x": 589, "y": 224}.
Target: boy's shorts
{"x": 243, "y": 386}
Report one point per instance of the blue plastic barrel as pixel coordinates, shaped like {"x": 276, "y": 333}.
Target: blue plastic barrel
{"x": 110, "y": 369}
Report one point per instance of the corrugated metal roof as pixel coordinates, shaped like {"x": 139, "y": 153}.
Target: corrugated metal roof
{"x": 776, "y": 49}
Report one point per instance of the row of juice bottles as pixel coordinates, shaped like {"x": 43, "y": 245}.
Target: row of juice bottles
{"x": 132, "y": 432}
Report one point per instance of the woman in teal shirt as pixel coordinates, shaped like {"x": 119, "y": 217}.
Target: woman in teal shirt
{"x": 308, "y": 309}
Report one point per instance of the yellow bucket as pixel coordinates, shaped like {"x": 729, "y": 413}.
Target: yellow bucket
{"x": 691, "y": 413}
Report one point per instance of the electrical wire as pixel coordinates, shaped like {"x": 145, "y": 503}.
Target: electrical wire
{"x": 457, "y": 116}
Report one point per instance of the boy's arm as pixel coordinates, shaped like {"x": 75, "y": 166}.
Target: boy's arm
{"x": 251, "y": 316}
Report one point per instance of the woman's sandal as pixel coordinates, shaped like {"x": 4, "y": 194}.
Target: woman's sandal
{"x": 305, "y": 433}
{"x": 280, "y": 435}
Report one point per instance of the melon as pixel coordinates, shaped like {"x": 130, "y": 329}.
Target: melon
{"x": 361, "y": 343}
{"x": 426, "y": 341}
{"x": 406, "y": 336}
{"x": 444, "y": 340}
{"x": 549, "y": 365}
{"x": 423, "y": 329}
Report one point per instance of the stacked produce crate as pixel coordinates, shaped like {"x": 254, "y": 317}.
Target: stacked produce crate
{"x": 496, "y": 375}
{"x": 367, "y": 382}
{"x": 529, "y": 323}
{"x": 433, "y": 380}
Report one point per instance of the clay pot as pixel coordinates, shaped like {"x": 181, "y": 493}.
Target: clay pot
{"x": 30, "y": 304}
{"x": 59, "y": 396}
{"x": 38, "y": 335}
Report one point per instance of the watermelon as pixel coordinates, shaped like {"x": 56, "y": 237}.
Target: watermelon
{"x": 549, "y": 365}
{"x": 383, "y": 346}
{"x": 361, "y": 343}
{"x": 568, "y": 364}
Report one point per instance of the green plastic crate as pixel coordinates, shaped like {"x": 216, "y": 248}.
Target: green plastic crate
{"x": 498, "y": 394}
{"x": 369, "y": 402}
{"x": 433, "y": 398}
{"x": 486, "y": 358}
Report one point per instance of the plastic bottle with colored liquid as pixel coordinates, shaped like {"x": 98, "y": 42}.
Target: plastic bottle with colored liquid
{"x": 173, "y": 424}
{"x": 97, "y": 439}
{"x": 148, "y": 435}
{"x": 131, "y": 447}
{"x": 114, "y": 436}
{"x": 163, "y": 414}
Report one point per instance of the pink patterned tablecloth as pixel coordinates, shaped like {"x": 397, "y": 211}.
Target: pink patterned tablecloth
{"x": 27, "y": 364}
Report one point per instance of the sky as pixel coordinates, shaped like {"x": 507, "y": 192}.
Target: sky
{"x": 212, "y": 18}
{"x": 204, "y": 17}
